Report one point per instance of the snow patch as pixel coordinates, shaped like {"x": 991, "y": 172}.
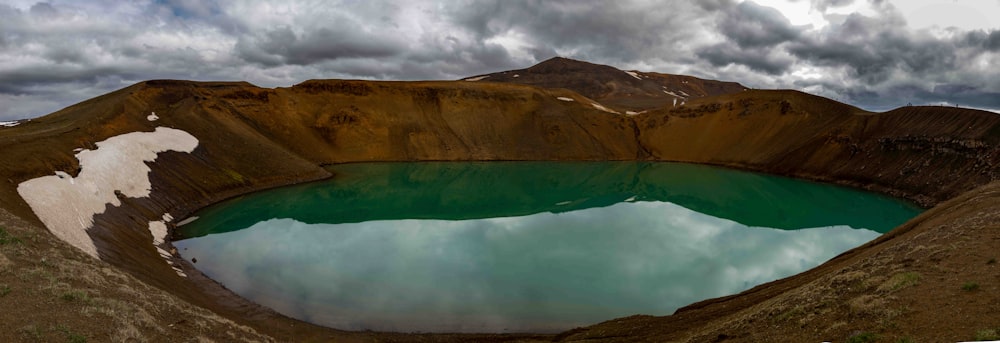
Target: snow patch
{"x": 631, "y": 199}
{"x": 605, "y": 109}
{"x": 159, "y": 231}
{"x": 675, "y": 102}
{"x": 633, "y": 74}
{"x": 152, "y": 116}
{"x": 67, "y": 205}
{"x": 9, "y": 123}
{"x": 517, "y": 75}
{"x": 565, "y": 98}
{"x": 478, "y": 78}
{"x": 672, "y": 93}
{"x": 188, "y": 220}
{"x": 563, "y": 203}
{"x": 634, "y": 113}
{"x": 682, "y": 92}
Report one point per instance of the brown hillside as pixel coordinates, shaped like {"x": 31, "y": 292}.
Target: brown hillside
{"x": 253, "y": 138}
{"x": 912, "y": 152}
{"x": 627, "y": 91}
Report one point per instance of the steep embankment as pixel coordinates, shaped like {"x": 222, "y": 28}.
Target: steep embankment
{"x": 249, "y": 138}
{"x": 913, "y": 152}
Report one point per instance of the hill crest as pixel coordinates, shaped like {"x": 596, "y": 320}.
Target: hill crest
{"x": 622, "y": 90}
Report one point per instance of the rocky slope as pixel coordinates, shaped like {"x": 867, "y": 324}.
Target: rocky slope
{"x": 625, "y": 91}
{"x": 252, "y": 138}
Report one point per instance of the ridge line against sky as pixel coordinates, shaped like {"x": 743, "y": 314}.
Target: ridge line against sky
{"x": 875, "y": 54}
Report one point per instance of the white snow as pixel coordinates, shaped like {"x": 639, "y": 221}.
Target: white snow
{"x": 188, "y": 220}
{"x": 152, "y": 116}
{"x": 67, "y": 205}
{"x": 682, "y": 92}
{"x": 634, "y": 113}
{"x": 563, "y": 203}
{"x": 159, "y": 231}
{"x": 565, "y": 98}
{"x": 633, "y": 73}
{"x": 478, "y": 78}
{"x": 65, "y": 176}
{"x": 78, "y": 150}
{"x": 9, "y": 123}
{"x": 675, "y": 102}
{"x": 674, "y": 94}
{"x": 605, "y": 109}
{"x": 517, "y": 75}
{"x": 631, "y": 199}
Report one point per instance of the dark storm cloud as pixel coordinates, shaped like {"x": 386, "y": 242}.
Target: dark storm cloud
{"x": 874, "y": 48}
{"x": 283, "y": 46}
{"x": 981, "y": 38}
{"x": 750, "y": 25}
{"x": 756, "y": 58}
{"x": 752, "y": 32}
{"x": 594, "y": 30}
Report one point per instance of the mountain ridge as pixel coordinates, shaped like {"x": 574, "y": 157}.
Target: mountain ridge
{"x": 253, "y": 138}
{"x": 619, "y": 89}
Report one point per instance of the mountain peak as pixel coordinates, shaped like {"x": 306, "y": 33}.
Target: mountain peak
{"x": 562, "y": 65}
{"x": 622, "y": 90}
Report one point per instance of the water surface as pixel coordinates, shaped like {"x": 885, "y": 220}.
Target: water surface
{"x": 523, "y": 246}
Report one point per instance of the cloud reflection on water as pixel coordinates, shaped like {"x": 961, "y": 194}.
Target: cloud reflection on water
{"x": 540, "y": 272}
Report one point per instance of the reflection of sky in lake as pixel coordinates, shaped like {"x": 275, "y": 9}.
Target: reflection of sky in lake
{"x": 540, "y": 272}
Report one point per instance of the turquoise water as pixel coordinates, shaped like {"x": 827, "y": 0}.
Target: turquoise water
{"x": 522, "y": 246}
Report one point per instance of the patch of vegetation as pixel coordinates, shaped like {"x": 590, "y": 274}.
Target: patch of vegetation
{"x": 987, "y": 335}
{"x": 906, "y": 340}
{"x": 901, "y": 280}
{"x": 31, "y": 332}
{"x": 4, "y": 290}
{"x": 75, "y": 295}
{"x": 794, "y": 313}
{"x": 234, "y": 175}
{"x": 970, "y": 286}
{"x": 864, "y": 337}
{"x": 71, "y": 337}
{"x": 7, "y": 238}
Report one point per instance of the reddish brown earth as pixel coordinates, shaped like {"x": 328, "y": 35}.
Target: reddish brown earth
{"x": 639, "y": 91}
{"x": 907, "y": 283}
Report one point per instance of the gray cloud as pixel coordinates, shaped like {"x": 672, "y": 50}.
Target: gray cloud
{"x": 53, "y": 54}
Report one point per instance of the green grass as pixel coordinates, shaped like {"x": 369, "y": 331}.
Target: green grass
{"x": 903, "y": 280}
{"x": 864, "y": 337}
{"x": 4, "y": 290}
{"x": 970, "y": 286}
{"x": 987, "y": 335}
{"x": 75, "y": 295}
{"x": 906, "y": 340}
{"x": 7, "y": 238}
{"x": 71, "y": 337}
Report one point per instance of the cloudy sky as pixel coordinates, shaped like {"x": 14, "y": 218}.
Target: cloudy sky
{"x": 876, "y": 54}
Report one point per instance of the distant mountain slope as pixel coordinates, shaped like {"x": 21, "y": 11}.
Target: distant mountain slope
{"x": 623, "y": 90}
